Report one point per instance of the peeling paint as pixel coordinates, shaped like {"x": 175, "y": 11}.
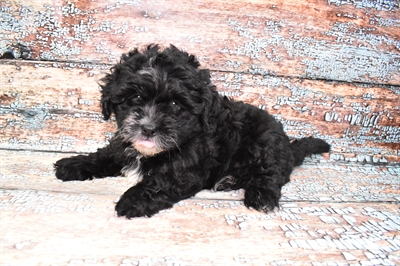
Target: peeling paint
{"x": 322, "y": 58}
{"x": 379, "y": 5}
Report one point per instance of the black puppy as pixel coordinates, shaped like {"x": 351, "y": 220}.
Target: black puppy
{"x": 176, "y": 135}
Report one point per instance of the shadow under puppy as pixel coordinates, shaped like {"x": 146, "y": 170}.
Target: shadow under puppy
{"x": 177, "y": 135}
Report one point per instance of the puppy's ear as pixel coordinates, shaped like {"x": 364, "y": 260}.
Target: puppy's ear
{"x": 209, "y": 97}
{"x": 107, "y": 107}
{"x": 212, "y": 103}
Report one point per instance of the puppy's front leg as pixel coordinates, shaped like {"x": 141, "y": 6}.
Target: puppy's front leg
{"x": 149, "y": 197}
{"x": 141, "y": 200}
{"x": 104, "y": 162}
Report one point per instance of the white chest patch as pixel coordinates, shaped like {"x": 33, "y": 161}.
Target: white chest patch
{"x": 133, "y": 173}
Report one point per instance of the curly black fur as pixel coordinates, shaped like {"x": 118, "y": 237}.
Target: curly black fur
{"x": 180, "y": 136}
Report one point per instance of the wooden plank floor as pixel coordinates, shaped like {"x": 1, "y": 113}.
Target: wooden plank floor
{"x": 330, "y": 214}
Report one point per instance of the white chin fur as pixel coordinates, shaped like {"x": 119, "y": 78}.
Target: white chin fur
{"x": 147, "y": 151}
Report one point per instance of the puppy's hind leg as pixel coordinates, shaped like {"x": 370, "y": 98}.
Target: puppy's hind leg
{"x": 262, "y": 194}
{"x": 226, "y": 183}
{"x": 266, "y": 177}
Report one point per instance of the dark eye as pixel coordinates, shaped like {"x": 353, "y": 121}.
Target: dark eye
{"x": 176, "y": 105}
{"x": 136, "y": 99}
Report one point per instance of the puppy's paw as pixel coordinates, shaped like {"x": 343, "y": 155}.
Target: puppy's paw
{"x": 227, "y": 183}
{"x": 141, "y": 201}
{"x": 126, "y": 207}
{"x": 73, "y": 168}
{"x": 261, "y": 199}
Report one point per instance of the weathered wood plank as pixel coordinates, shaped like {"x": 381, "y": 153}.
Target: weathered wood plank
{"x": 315, "y": 39}
{"x": 46, "y": 85}
{"x": 48, "y": 106}
{"x": 43, "y": 129}
{"x": 81, "y": 228}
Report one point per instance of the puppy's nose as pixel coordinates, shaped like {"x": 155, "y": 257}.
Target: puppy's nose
{"x": 148, "y": 130}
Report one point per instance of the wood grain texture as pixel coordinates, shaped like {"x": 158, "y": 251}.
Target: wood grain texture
{"x": 330, "y": 213}
{"x": 51, "y": 106}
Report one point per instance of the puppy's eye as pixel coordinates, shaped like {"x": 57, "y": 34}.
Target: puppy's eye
{"x": 136, "y": 99}
{"x": 176, "y": 105}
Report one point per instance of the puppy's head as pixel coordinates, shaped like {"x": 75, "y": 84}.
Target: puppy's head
{"x": 159, "y": 98}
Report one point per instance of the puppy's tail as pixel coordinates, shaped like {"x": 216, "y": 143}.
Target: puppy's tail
{"x": 307, "y": 146}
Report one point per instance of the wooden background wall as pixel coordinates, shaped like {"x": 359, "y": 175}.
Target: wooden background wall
{"x": 325, "y": 68}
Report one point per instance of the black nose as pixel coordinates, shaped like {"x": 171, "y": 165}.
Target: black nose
{"x": 148, "y": 130}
